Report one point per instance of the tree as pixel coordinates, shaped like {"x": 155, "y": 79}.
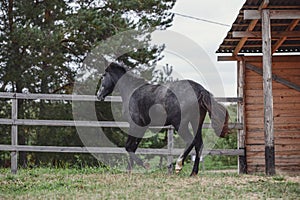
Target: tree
{"x": 44, "y": 42}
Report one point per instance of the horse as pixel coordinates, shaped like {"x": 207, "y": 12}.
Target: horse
{"x": 175, "y": 103}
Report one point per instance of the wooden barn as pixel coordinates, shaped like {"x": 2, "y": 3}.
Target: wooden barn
{"x": 264, "y": 40}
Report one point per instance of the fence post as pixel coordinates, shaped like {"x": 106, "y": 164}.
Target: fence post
{"x": 170, "y": 149}
{"x": 14, "y": 135}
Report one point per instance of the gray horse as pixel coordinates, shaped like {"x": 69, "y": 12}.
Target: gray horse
{"x": 177, "y": 103}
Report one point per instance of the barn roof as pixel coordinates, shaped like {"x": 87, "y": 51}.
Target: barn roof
{"x": 285, "y": 32}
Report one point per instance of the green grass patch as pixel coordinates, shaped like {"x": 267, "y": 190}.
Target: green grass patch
{"x": 99, "y": 183}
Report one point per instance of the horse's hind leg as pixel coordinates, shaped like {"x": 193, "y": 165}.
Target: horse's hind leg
{"x": 198, "y": 142}
{"x": 198, "y": 148}
{"x": 188, "y": 138}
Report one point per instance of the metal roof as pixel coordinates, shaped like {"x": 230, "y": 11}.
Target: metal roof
{"x": 282, "y": 44}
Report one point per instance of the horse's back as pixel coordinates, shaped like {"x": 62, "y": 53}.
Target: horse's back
{"x": 177, "y": 100}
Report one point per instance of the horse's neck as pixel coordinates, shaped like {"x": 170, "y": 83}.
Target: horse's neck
{"x": 127, "y": 84}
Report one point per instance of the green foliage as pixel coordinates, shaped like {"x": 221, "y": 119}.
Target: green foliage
{"x": 43, "y": 45}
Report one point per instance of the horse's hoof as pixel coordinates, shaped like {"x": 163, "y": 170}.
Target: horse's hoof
{"x": 178, "y": 166}
{"x": 178, "y": 169}
{"x": 193, "y": 174}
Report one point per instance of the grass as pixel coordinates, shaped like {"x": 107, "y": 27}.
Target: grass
{"x": 93, "y": 183}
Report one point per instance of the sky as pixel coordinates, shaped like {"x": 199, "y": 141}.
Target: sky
{"x": 191, "y": 44}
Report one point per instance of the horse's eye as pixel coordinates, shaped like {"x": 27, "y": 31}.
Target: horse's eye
{"x": 102, "y": 76}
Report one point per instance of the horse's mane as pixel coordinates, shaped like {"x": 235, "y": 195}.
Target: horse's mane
{"x": 133, "y": 78}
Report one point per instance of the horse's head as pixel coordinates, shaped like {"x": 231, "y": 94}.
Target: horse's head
{"x": 109, "y": 79}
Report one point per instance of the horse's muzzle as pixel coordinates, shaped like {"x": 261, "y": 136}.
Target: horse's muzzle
{"x": 100, "y": 97}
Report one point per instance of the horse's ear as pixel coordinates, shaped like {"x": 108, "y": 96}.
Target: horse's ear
{"x": 113, "y": 67}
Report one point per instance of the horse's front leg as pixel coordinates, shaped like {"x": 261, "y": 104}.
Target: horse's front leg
{"x": 131, "y": 147}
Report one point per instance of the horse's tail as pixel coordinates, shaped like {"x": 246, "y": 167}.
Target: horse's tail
{"x": 217, "y": 112}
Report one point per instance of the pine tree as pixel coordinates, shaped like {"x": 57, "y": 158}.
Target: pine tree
{"x": 43, "y": 40}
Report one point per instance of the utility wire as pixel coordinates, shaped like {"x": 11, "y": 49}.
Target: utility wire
{"x": 204, "y": 20}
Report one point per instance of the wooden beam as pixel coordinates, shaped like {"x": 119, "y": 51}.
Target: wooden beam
{"x": 290, "y": 58}
{"x": 113, "y": 150}
{"x": 281, "y": 40}
{"x": 258, "y": 39}
{"x": 258, "y": 34}
{"x": 251, "y": 26}
{"x": 292, "y": 7}
{"x": 32, "y": 122}
{"x": 274, "y": 14}
{"x": 274, "y": 77}
{"x": 69, "y": 97}
{"x": 268, "y": 94}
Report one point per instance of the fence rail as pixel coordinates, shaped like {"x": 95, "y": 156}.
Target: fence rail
{"x": 14, "y": 122}
{"x": 112, "y": 150}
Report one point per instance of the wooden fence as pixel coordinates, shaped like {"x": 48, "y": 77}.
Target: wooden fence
{"x": 14, "y": 122}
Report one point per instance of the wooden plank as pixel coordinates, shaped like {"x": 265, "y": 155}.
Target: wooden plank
{"x": 273, "y": 76}
{"x": 282, "y": 162}
{"x": 285, "y": 134}
{"x": 288, "y": 64}
{"x": 68, "y": 97}
{"x": 258, "y": 34}
{"x": 258, "y": 46}
{"x": 254, "y": 84}
{"x": 261, "y": 148}
{"x": 281, "y": 154}
{"x": 289, "y": 100}
{"x": 28, "y": 122}
{"x": 279, "y": 127}
{"x": 58, "y": 97}
{"x": 279, "y": 141}
{"x": 277, "y": 120}
{"x": 280, "y": 107}
{"x": 276, "y": 59}
{"x": 285, "y": 14}
{"x": 255, "y": 113}
{"x": 289, "y": 74}
{"x": 112, "y": 150}
{"x": 276, "y": 93}
{"x": 250, "y": 34}
{"x": 288, "y": 170}
{"x": 273, "y": 14}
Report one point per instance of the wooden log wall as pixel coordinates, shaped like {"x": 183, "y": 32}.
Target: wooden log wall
{"x": 286, "y": 103}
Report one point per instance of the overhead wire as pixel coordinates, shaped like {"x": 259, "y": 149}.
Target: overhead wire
{"x": 200, "y": 19}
